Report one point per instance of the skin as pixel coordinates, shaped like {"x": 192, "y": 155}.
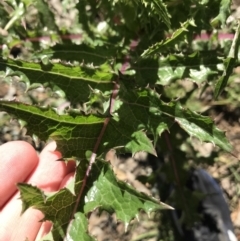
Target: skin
{"x": 19, "y": 162}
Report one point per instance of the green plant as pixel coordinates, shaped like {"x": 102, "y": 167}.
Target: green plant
{"x": 121, "y": 65}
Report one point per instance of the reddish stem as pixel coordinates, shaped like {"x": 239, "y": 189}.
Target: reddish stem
{"x": 95, "y": 149}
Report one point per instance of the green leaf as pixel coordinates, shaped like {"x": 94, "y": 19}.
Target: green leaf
{"x": 16, "y": 15}
{"x": 224, "y": 13}
{"x": 57, "y": 207}
{"x": 119, "y": 197}
{"x": 133, "y": 113}
{"x": 74, "y": 80}
{"x": 102, "y": 190}
{"x": 140, "y": 139}
{"x": 160, "y": 8}
{"x": 33, "y": 196}
{"x": 146, "y": 9}
{"x": 178, "y": 35}
{"x": 78, "y": 228}
{"x": 193, "y": 123}
{"x": 165, "y": 70}
{"x": 89, "y": 55}
{"x": 202, "y": 75}
{"x": 196, "y": 125}
{"x": 229, "y": 64}
{"x": 46, "y": 15}
{"x": 78, "y": 133}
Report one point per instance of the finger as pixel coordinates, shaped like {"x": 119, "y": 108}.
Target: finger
{"x": 49, "y": 172}
{"x": 44, "y": 230}
{"x": 17, "y": 160}
{"x": 47, "y": 176}
{"x": 67, "y": 180}
{"x": 14, "y": 226}
{"x": 46, "y": 226}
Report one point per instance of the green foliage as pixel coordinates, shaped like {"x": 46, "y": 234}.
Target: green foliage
{"x": 118, "y": 65}
{"x": 223, "y": 13}
{"x": 102, "y": 190}
{"x": 229, "y": 63}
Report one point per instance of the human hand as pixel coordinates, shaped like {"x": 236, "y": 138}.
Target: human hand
{"x": 19, "y": 162}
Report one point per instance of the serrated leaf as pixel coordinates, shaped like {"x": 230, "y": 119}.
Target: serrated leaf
{"x": 102, "y": 190}
{"x": 193, "y": 123}
{"x": 137, "y": 113}
{"x": 197, "y": 125}
{"x": 32, "y": 196}
{"x": 78, "y": 133}
{"x": 168, "y": 74}
{"x": 160, "y": 8}
{"x": 57, "y": 207}
{"x": 98, "y": 55}
{"x": 229, "y": 64}
{"x": 62, "y": 201}
{"x": 132, "y": 10}
{"x": 134, "y": 114}
{"x": 170, "y": 42}
{"x": 201, "y": 75}
{"x": 138, "y": 139}
{"x": 164, "y": 70}
{"x": 78, "y": 229}
{"x": 119, "y": 197}
{"x": 224, "y": 11}
{"x": 74, "y": 80}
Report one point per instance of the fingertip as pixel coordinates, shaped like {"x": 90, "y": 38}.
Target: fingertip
{"x": 44, "y": 230}
{"x": 50, "y": 172}
{"x": 51, "y": 146}
{"x": 17, "y": 160}
{"x": 67, "y": 179}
